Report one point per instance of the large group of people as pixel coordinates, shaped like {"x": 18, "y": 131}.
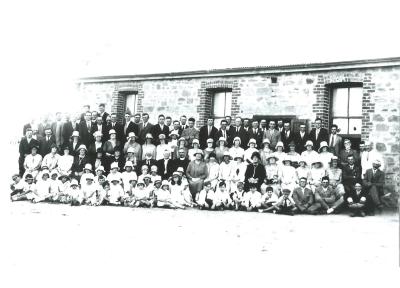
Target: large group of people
{"x": 244, "y": 165}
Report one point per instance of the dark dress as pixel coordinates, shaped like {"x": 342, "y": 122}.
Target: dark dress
{"x": 254, "y": 171}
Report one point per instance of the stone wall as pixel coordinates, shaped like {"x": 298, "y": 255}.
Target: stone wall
{"x": 301, "y": 95}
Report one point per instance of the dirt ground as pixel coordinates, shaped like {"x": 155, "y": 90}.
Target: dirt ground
{"x": 51, "y": 239}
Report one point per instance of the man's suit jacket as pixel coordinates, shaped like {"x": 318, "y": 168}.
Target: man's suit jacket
{"x": 287, "y": 139}
{"x": 45, "y": 145}
{"x": 132, "y": 127}
{"x": 356, "y": 198}
{"x": 156, "y": 131}
{"x": 181, "y": 163}
{"x": 377, "y": 180}
{"x": 242, "y": 134}
{"x": 322, "y": 136}
{"x": 104, "y": 117}
{"x": 220, "y": 134}
{"x": 303, "y": 199}
{"x": 300, "y": 141}
{"x": 25, "y": 147}
{"x": 258, "y": 135}
{"x": 59, "y": 138}
{"x": 351, "y": 176}
{"x": 165, "y": 174}
{"x": 344, "y": 153}
{"x": 86, "y": 136}
{"x": 74, "y": 150}
{"x": 103, "y": 131}
{"x": 337, "y": 145}
{"x": 68, "y": 129}
{"x": 274, "y": 137}
{"x": 143, "y": 131}
{"x": 203, "y": 135}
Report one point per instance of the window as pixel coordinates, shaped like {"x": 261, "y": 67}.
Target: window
{"x": 347, "y": 110}
{"x": 130, "y": 105}
{"x": 221, "y": 106}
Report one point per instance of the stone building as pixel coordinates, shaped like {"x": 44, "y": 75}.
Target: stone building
{"x": 362, "y": 97}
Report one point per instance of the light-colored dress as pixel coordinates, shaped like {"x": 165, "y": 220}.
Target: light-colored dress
{"x": 325, "y": 158}
{"x": 220, "y": 153}
{"x": 148, "y": 148}
{"x": 160, "y": 149}
{"x": 265, "y": 153}
{"x": 236, "y": 151}
{"x": 213, "y": 173}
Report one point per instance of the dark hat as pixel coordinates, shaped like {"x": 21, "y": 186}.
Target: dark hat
{"x": 65, "y": 147}
{"x": 63, "y": 176}
{"x": 256, "y": 154}
{"x": 99, "y": 150}
{"x": 117, "y": 148}
{"x": 28, "y": 177}
{"x": 35, "y": 146}
{"x": 106, "y": 183}
{"x": 212, "y": 154}
{"x": 53, "y": 145}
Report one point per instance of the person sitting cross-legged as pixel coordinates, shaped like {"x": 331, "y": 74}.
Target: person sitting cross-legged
{"x": 326, "y": 199}
{"x": 303, "y": 196}
{"x": 357, "y": 201}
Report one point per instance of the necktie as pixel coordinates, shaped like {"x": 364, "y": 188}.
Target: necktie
{"x": 254, "y": 131}
{"x": 287, "y": 134}
{"x": 237, "y": 129}
{"x": 331, "y": 144}
{"x": 209, "y": 130}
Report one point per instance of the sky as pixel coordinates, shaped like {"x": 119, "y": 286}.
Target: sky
{"x": 48, "y": 44}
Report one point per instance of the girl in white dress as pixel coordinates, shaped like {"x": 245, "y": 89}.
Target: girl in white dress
{"x": 213, "y": 170}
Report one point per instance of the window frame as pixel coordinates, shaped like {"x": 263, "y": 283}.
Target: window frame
{"x": 213, "y": 92}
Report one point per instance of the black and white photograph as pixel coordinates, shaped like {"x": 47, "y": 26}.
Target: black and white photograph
{"x": 200, "y": 143}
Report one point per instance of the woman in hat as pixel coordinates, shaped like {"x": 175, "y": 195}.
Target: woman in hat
{"x": 141, "y": 196}
{"x": 74, "y": 143}
{"x": 132, "y": 146}
{"x": 154, "y": 173}
{"x": 114, "y": 172}
{"x": 272, "y": 174}
{"x": 182, "y": 143}
{"x": 287, "y": 175}
{"x": 279, "y": 152}
{"x": 100, "y": 159}
{"x": 64, "y": 183}
{"x": 161, "y": 147}
{"x": 316, "y": 173}
{"x": 87, "y": 173}
{"x": 266, "y": 151}
{"x": 94, "y": 147}
{"x": 42, "y": 188}
{"x": 249, "y": 151}
{"x": 255, "y": 172}
{"x": 324, "y": 155}
{"x": 173, "y": 142}
{"x": 149, "y": 147}
{"x": 194, "y": 150}
{"x": 32, "y": 162}
{"x": 225, "y": 170}
{"x": 80, "y": 161}
{"x": 51, "y": 159}
{"x": 293, "y": 155}
{"x": 236, "y": 149}
{"x": 309, "y": 154}
{"x": 144, "y": 171}
{"x": 335, "y": 174}
{"x": 209, "y": 149}
{"x": 109, "y": 147}
{"x": 303, "y": 171}
{"x": 238, "y": 171}
{"x": 221, "y": 148}
{"x": 65, "y": 162}
{"x": 28, "y": 189}
{"x": 90, "y": 190}
{"x": 128, "y": 175}
{"x": 118, "y": 158}
{"x": 213, "y": 170}
{"x": 132, "y": 156}
{"x": 196, "y": 173}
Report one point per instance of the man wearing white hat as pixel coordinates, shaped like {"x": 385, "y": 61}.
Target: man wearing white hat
{"x": 374, "y": 182}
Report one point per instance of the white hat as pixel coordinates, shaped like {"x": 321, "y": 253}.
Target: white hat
{"x": 198, "y": 152}
{"x": 377, "y": 161}
{"x": 210, "y": 140}
{"x": 176, "y": 173}
{"x": 266, "y": 140}
{"x": 308, "y": 143}
{"x": 89, "y": 177}
{"x": 130, "y": 150}
{"x": 88, "y": 166}
{"x": 180, "y": 169}
{"x": 322, "y": 144}
{"x": 97, "y": 133}
{"x": 112, "y": 177}
{"x": 173, "y": 133}
{"x": 286, "y": 158}
{"x": 237, "y": 138}
{"x": 114, "y": 165}
{"x": 46, "y": 172}
{"x": 154, "y": 168}
{"x": 302, "y": 159}
{"x": 195, "y": 141}
{"x": 140, "y": 183}
{"x": 226, "y": 153}
{"x": 252, "y": 140}
{"x": 279, "y": 144}
{"x": 164, "y": 182}
{"x": 100, "y": 168}
{"x": 82, "y": 146}
{"x": 75, "y": 134}
{"x": 221, "y": 139}
{"x": 112, "y": 131}
{"x": 74, "y": 182}
{"x": 161, "y": 136}
{"x": 128, "y": 164}
{"x": 131, "y": 134}
{"x": 149, "y": 136}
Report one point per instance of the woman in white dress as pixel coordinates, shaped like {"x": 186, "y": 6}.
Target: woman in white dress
{"x": 236, "y": 150}
{"x": 161, "y": 147}
{"x": 324, "y": 155}
{"x": 213, "y": 170}
{"x": 149, "y": 147}
{"x": 249, "y": 151}
{"x": 65, "y": 162}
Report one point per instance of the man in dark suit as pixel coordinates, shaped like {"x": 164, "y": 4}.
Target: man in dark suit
{"x": 149, "y": 161}
{"x": 165, "y": 166}
{"x": 223, "y": 132}
{"x": 351, "y": 174}
{"x": 57, "y": 129}
{"x": 303, "y": 197}
{"x": 85, "y": 130}
{"x": 68, "y": 128}
{"x": 287, "y": 135}
{"x": 129, "y": 126}
{"x": 160, "y": 128}
{"x": 181, "y": 161}
{"x": 374, "y": 181}
{"x": 119, "y": 129}
{"x": 300, "y": 138}
{"x": 46, "y": 142}
{"x": 25, "y": 147}
{"x": 101, "y": 127}
{"x": 256, "y": 133}
{"x": 177, "y": 128}
{"x": 103, "y": 113}
{"x": 238, "y": 131}
{"x": 348, "y": 151}
{"x": 206, "y": 132}
{"x": 335, "y": 141}
{"x": 318, "y": 134}
{"x": 86, "y": 108}
{"x": 358, "y": 201}
{"x": 182, "y": 122}
{"x": 144, "y": 128}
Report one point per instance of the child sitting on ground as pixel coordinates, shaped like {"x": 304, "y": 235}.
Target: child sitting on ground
{"x": 286, "y": 204}
{"x": 268, "y": 201}
{"x": 115, "y": 196}
{"x": 202, "y": 199}
{"x": 75, "y": 194}
{"x": 163, "y": 197}
{"x": 252, "y": 199}
{"x": 237, "y": 196}
{"x": 221, "y": 199}
{"x": 141, "y": 197}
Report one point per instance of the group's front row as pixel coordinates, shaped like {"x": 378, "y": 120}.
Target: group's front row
{"x": 149, "y": 190}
